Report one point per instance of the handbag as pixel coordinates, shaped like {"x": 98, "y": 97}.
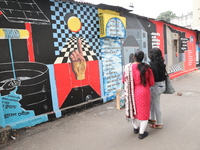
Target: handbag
{"x": 169, "y": 87}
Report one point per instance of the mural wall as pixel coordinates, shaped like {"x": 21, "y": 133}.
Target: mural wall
{"x": 112, "y": 29}
{"x": 57, "y": 56}
{"x": 176, "y": 43}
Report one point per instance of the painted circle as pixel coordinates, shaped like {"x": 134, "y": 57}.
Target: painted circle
{"x": 74, "y": 24}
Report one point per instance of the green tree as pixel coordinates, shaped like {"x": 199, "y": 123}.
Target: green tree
{"x": 166, "y": 16}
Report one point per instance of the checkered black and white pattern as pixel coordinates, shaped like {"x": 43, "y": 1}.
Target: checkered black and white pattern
{"x": 70, "y": 46}
{"x": 88, "y": 16}
{"x": 175, "y": 68}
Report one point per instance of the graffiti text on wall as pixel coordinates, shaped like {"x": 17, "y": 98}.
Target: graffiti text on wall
{"x": 111, "y": 60}
{"x": 115, "y": 28}
{"x": 190, "y": 58}
{"x": 12, "y": 110}
{"x": 155, "y": 40}
{"x": 184, "y": 46}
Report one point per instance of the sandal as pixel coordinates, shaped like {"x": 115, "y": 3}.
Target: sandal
{"x": 156, "y": 126}
{"x": 151, "y": 121}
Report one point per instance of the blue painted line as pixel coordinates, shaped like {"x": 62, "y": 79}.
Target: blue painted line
{"x": 2, "y": 119}
{"x": 54, "y": 91}
{"x": 11, "y": 56}
{"x": 29, "y": 122}
{"x": 101, "y": 81}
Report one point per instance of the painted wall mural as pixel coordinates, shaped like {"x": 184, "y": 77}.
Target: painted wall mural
{"x": 77, "y": 53}
{"x": 181, "y": 57}
{"x": 111, "y": 66}
{"x": 17, "y": 102}
{"x": 113, "y": 28}
{"x": 144, "y": 34}
{"x": 141, "y": 34}
{"x": 56, "y": 70}
{"x": 57, "y": 56}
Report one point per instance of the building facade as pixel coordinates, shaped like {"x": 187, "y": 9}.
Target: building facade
{"x": 184, "y": 20}
{"x": 196, "y": 15}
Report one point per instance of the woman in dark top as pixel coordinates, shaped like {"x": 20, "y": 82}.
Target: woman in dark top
{"x": 158, "y": 67}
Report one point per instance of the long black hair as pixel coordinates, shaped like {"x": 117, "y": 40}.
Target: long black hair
{"x": 156, "y": 57}
{"x": 142, "y": 67}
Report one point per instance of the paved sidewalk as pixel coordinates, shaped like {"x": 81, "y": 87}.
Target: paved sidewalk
{"x": 105, "y": 128}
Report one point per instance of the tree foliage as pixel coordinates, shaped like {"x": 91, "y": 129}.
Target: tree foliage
{"x": 166, "y": 16}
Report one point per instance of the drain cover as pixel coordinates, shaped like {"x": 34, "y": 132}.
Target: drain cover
{"x": 188, "y": 93}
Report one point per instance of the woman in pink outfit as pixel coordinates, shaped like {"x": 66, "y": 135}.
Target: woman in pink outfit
{"x": 138, "y": 78}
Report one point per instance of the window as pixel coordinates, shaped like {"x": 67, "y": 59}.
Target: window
{"x": 144, "y": 45}
{"x": 144, "y": 35}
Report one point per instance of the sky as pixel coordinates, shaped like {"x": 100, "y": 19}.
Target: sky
{"x": 151, "y": 8}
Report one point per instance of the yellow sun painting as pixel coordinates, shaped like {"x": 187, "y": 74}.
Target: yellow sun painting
{"x": 74, "y": 24}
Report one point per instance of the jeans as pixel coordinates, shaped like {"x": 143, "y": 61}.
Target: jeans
{"x": 156, "y": 91}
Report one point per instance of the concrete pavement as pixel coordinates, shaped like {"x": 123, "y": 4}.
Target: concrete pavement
{"x": 105, "y": 128}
